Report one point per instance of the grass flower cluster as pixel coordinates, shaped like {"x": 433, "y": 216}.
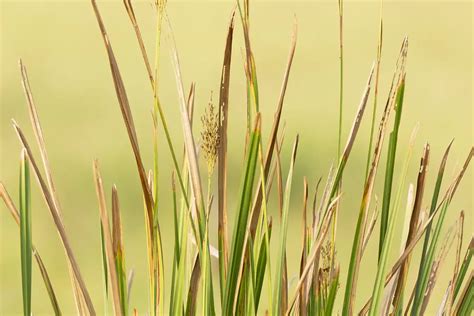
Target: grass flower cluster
{"x": 247, "y": 281}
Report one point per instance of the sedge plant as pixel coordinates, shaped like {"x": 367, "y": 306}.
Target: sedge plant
{"x": 250, "y": 279}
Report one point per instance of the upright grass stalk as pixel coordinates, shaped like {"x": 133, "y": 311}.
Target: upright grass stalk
{"x": 119, "y": 251}
{"x": 380, "y": 277}
{"x": 280, "y": 281}
{"x": 273, "y": 133}
{"x": 341, "y": 74}
{"x": 111, "y": 261}
{"x": 250, "y": 67}
{"x": 354, "y": 262}
{"x": 389, "y": 171}
{"x": 242, "y": 268}
{"x": 81, "y": 295}
{"x": 412, "y": 227}
{"x": 25, "y": 232}
{"x": 44, "y": 273}
{"x": 222, "y": 159}
{"x": 423, "y": 278}
{"x": 463, "y": 269}
{"x": 376, "y": 89}
{"x": 238, "y": 236}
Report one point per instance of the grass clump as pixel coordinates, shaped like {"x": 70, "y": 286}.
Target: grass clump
{"x": 245, "y": 261}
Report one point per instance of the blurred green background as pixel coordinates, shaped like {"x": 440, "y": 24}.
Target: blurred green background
{"x": 60, "y": 43}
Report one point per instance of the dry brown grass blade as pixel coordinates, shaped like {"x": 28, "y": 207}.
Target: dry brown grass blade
{"x": 416, "y": 238}
{"x": 35, "y": 122}
{"x": 126, "y": 113}
{"x": 314, "y": 251}
{"x": 193, "y": 287}
{"x": 117, "y": 237}
{"x": 38, "y": 131}
{"x": 44, "y": 273}
{"x": 415, "y": 215}
{"x": 107, "y": 239}
{"x": 369, "y": 184}
{"x": 52, "y": 206}
{"x": 222, "y": 149}
{"x": 138, "y": 34}
{"x": 187, "y": 130}
{"x": 273, "y": 134}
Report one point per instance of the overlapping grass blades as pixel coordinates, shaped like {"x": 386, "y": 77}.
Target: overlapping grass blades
{"x": 44, "y": 273}
{"x": 245, "y": 260}
{"x": 280, "y": 277}
{"x": 242, "y": 215}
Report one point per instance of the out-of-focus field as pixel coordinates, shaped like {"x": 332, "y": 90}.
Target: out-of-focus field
{"x": 60, "y": 44}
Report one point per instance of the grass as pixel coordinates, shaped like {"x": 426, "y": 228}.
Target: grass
{"x": 247, "y": 271}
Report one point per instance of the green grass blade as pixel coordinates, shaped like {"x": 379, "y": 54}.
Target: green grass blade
{"x": 390, "y": 167}
{"x": 242, "y": 214}
{"x": 331, "y": 298}
{"x": 382, "y": 266}
{"x": 341, "y": 74}
{"x": 466, "y": 303}
{"x": 376, "y": 91}
{"x": 25, "y": 232}
{"x": 278, "y": 290}
{"x": 423, "y": 277}
{"x": 434, "y": 202}
{"x": 464, "y": 268}
{"x": 261, "y": 266}
{"x": 44, "y": 273}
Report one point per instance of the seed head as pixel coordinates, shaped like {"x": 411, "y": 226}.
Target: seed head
{"x": 210, "y": 135}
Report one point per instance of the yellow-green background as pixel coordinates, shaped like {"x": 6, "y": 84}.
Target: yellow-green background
{"x": 60, "y": 44}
